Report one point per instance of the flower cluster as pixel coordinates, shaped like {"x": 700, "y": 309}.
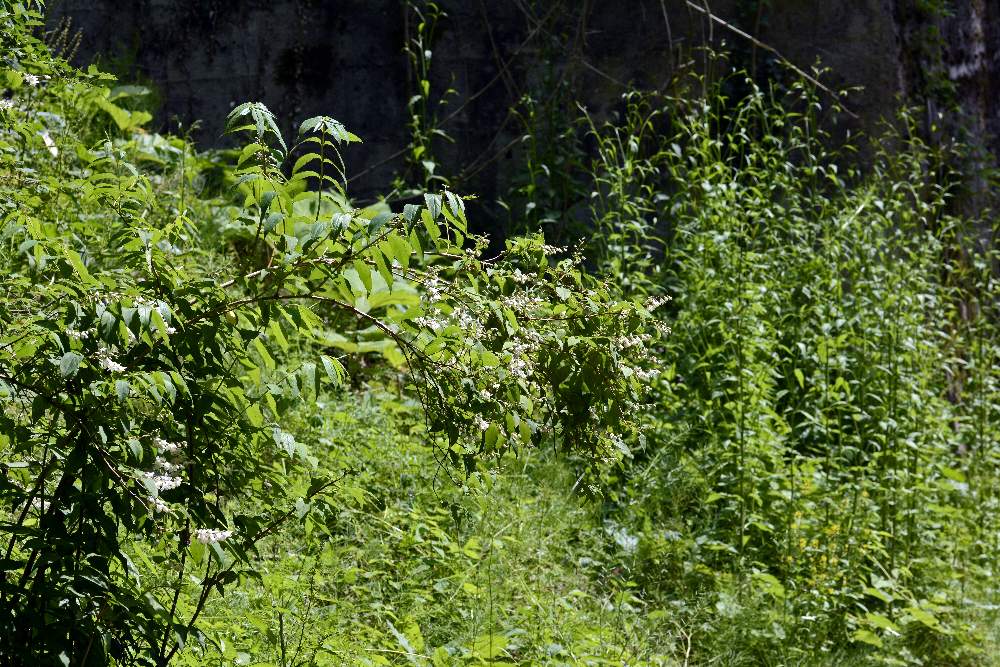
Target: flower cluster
{"x": 429, "y": 323}
{"x": 211, "y": 535}
{"x": 434, "y": 288}
{"x": 167, "y": 473}
{"x": 461, "y": 317}
{"x": 626, "y": 342}
{"x": 520, "y": 278}
{"x": 646, "y": 375}
{"x": 159, "y": 506}
{"x": 166, "y": 466}
{"x": 654, "y": 302}
{"x": 165, "y": 447}
{"x": 163, "y": 482}
{"x": 107, "y": 362}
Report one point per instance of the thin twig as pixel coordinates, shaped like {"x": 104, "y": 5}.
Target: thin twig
{"x": 756, "y": 42}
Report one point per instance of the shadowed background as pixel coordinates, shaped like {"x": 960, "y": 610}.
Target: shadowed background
{"x": 346, "y": 58}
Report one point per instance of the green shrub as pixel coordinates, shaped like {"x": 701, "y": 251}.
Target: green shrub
{"x": 152, "y": 386}
{"x": 815, "y": 482}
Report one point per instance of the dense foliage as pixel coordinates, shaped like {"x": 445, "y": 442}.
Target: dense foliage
{"x": 822, "y": 474}
{"x": 150, "y": 380}
{"x": 243, "y": 421}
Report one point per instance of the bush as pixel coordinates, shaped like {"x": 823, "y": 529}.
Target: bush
{"x": 152, "y": 384}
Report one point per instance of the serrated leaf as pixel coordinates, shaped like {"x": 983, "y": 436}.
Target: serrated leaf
{"x": 410, "y": 212}
{"x": 433, "y": 205}
{"x": 122, "y": 389}
{"x": 378, "y": 222}
{"x": 74, "y": 259}
{"x": 334, "y": 370}
{"x": 867, "y": 636}
{"x": 264, "y": 354}
{"x": 255, "y": 416}
{"x": 69, "y": 364}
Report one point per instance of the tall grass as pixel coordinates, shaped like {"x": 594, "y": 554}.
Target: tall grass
{"x": 820, "y": 480}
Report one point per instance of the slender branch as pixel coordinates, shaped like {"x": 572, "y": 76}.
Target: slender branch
{"x": 767, "y": 47}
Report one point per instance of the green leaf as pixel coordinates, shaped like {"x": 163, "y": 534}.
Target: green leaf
{"x": 408, "y": 649}
{"x": 311, "y": 376}
{"x": 284, "y": 440}
{"x": 378, "y": 222}
{"x": 880, "y": 621}
{"x": 334, "y": 370}
{"x": 78, "y": 266}
{"x": 255, "y": 416}
{"x": 400, "y": 249}
{"x": 264, "y": 354}
{"x": 432, "y": 229}
{"x": 218, "y": 553}
{"x": 433, "y": 205}
{"x": 382, "y": 266}
{"x": 952, "y": 474}
{"x": 69, "y": 364}
{"x": 867, "y": 636}
{"x": 364, "y": 273}
{"x": 410, "y": 212}
{"x": 880, "y": 594}
{"x": 489, "y": 646}
{"x": 923, "y": 616}
{"x": 277, "y": 334}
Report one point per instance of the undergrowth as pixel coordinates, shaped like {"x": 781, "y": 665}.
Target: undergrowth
{"x": 244, "y": 422}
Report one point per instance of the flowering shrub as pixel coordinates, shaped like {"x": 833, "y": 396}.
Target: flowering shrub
{"x": 147, "y": 380}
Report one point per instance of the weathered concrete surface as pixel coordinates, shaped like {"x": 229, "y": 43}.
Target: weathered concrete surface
{"x": 345, "y": 58}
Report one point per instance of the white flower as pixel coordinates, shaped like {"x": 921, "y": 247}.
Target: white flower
{"x": 6, "y": 103}
{"x": 159, "y": 506}
{"x": 429, "y": 323}
{"x": 165, "y": 446}
{"x": 171, "y": 330}
{"x": 520, "y": 368}
{"x": 212, "y": 536}
{"x": 111, "y": 365}
{"x": 49, "y": 144}
{"x": 32, "y": 80}
{"x": 481, "y": 423}
{"x": 106, "y": 362}
{"x": 654, "y": 302}
{"x": 166, "y": 466}
{"x": 645, "y": 375}
{"x": 433, "y": 288}
{"x": 519, "y": 277}
{"x": 78, "y": 335}
{"x": 163, "y": 482}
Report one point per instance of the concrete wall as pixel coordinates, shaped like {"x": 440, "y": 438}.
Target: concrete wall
{"x": 345, "y": 58}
